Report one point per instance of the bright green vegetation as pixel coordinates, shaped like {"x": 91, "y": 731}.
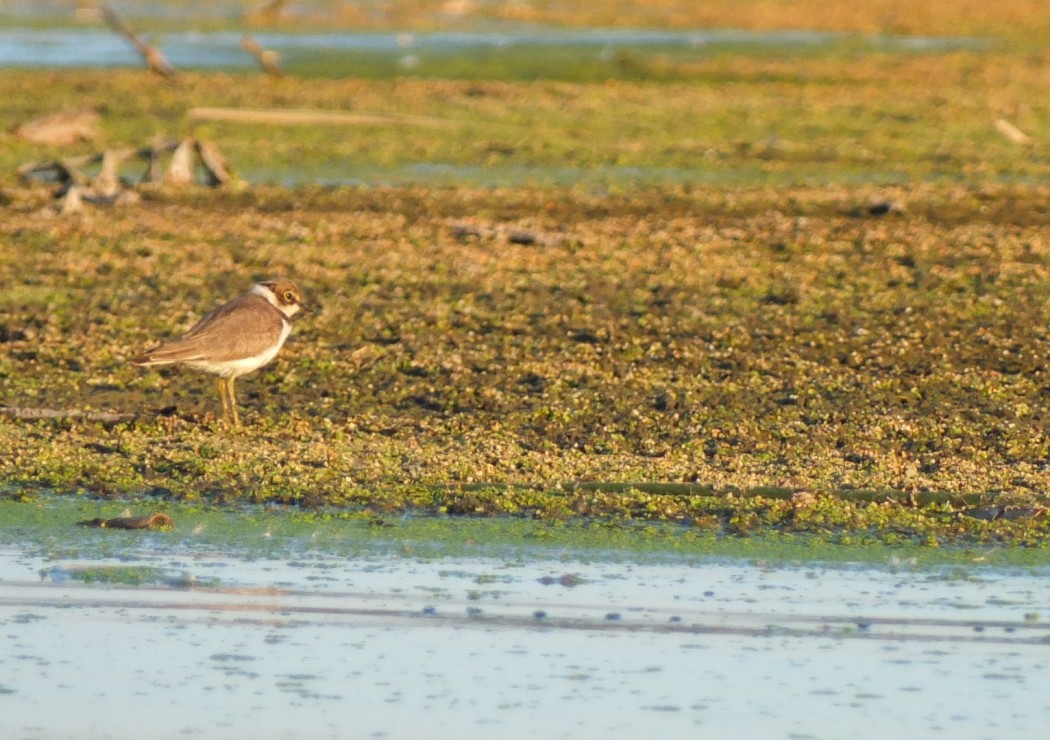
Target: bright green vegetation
{"x": 48, "y": 523}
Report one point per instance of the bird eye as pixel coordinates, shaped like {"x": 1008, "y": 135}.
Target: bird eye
{"x": 289, "y": 296}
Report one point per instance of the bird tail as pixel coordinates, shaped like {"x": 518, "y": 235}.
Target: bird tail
{"x": 148, "y": 358}
{"x": 166, "y": 355}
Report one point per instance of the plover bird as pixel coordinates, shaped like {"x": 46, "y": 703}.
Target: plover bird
{"x": 234, "y": 339}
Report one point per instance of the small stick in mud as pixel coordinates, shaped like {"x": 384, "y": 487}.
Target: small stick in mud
{"x": 28, "y": 413}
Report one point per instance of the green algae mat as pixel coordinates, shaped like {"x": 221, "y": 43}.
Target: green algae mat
{"x": 739, "y": 361}
{"x": 792, "y": 293}
{"x": 55, "y": 526}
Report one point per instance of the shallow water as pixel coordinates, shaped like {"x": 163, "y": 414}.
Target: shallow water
{"x": 100, "y": 47}
{"x": 205, "y": 644}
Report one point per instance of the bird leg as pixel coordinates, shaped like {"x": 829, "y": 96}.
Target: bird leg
{"x": 225, "y": 400}
{"x": 233, "y": 401}
{"x": 229, "y": 402}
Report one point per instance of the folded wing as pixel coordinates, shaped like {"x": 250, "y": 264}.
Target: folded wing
{"x": 241, "y": 329}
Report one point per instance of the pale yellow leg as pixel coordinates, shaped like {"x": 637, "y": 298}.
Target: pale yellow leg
{"x": 233, "y": 402}
{"x": 225, "y": 402}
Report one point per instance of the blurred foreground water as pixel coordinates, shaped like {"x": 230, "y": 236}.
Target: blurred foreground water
{"x": 193, "y": 644}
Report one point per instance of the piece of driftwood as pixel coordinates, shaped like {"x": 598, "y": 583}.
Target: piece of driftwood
{"x": 213, "y": 162}
{"x": 62, "y": 128}
{"x": 34, "y": 414}
{"x": 70, "y": 169}
{"x": 151, "y": 55}
{"x": 156, "y": 520}
{"x": 268, "y": 59}
{"x": 55, "y": 171}
{"x": 108, "y": 187}
{"x": 181, "y": 170}
{"x": 72, "y": 201}
{"x": 301, "y": 117}
{"x": 73, "y": 198}
{"x": 107, "y": 181}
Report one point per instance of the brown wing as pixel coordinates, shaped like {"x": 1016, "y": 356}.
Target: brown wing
{"x": 242, "y": 328}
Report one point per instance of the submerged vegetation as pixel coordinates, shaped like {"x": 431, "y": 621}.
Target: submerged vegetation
{"x": 826, "y": 311}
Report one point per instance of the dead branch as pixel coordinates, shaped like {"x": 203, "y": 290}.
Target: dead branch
{"x": 154, "y": 58}
{"x": 105, "y": 186}
{"x": 269, "y": 60}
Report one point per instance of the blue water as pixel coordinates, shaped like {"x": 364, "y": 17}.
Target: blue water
{"x": 100, "y": 47}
